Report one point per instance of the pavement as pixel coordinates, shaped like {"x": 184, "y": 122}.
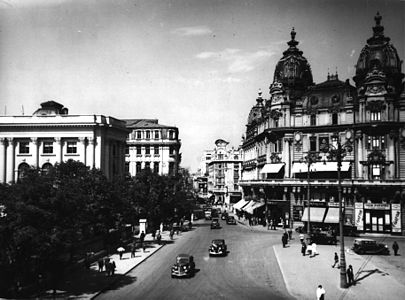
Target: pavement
{"x": 303, "y": 274}
{"x": 89, "y": 283}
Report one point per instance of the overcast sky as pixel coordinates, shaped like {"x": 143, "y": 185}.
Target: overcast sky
{"x": 194, "y": 64}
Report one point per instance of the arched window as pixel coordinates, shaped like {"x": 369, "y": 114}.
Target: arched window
{"x": 334, "y": 118}
{"x": 313, "y": 120}
{"x": 22, "y": 171}
{"x": 46, "y": 167}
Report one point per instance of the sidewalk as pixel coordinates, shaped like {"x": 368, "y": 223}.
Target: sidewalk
{"x": 303, "y": 274}
{"x": 88, "y": 283}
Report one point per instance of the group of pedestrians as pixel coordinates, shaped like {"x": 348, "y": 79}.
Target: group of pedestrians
{"x": 106, "y": 264}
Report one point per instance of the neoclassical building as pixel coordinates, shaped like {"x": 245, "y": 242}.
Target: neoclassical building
{"x": 152, "y": 145}
{"x": 51, "y": 135}
{"x": 221, "y": 170}
{"x": 295, "y": 139}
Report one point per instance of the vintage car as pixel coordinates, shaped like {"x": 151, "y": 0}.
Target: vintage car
{"x": 218, "y": 248}
{"x": 215, "y": 224}
{"x": 323, "y": 237}
{"x": 184, "y": 266}
{"x": 231, "y": 220}
{"x": 369, "y": 246}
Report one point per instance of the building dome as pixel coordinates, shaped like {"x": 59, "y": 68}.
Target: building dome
{"x": 293, "y": 69}
{"x": 256, "y": 113}
{"x": 379, "y": 54}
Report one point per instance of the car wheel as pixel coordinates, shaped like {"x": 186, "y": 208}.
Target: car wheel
{"x": 361, "y": 251}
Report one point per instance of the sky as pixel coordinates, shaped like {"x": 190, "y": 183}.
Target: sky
{"x": 194, "y": 64}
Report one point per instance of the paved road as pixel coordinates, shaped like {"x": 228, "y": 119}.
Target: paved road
{"x": 250, "y": 271}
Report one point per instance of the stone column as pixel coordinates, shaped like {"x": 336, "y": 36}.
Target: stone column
{"x": 2, "y": 160}
{"x": 10, "y": 159}
{"x": 92, "y": 154}
{"x": 59, "y": 148}
{"x": 360, "y": 150}
{"x": 35, "y": 144}
{"x": 82, "y": 149}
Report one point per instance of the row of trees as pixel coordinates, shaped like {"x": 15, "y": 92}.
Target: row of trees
{"x": 47, "y": 215}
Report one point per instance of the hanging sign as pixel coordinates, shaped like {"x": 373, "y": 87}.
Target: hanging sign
{"x": 396, "y": 217}
{"x": 358, "y": 215}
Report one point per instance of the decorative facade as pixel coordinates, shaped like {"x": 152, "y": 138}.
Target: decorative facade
{"x": 296, "y": 139}
{"x": 223, "y": 169}
{"x": 152, "y": 145}
{"x": 52, "y": 136}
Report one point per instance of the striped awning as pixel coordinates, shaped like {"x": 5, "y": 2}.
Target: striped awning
{"x": 316, "y": 214}
{"x": 241, "y": 203}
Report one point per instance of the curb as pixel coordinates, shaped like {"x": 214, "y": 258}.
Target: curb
{"x": 282, "y": 272}
{"x": 106, "y": 288}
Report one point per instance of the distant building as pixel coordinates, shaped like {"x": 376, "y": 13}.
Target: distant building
{"x": 152, "y": 145}
{"x": 303, "y": 120}
{"x": 222, "y": 170}
{"x": 52, "y": 136}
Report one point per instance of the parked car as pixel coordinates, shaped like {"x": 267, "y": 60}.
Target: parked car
{"x": 215, "y": 224}
{"x": 224, "y": 215}
{"x": 218, "y": 248}
{"x": 231, "y": 220}
{"x": 323, "y": 237}
{"x": 369, "y": 246}
{"x": 184, "y": 266}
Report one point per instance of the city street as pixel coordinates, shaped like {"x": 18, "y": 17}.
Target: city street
{"x": 249, "y": 271}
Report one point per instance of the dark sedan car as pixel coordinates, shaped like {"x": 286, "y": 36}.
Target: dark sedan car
{"x": 231, "y": 220}
{"x": 218, "y": 248}
{"x": 323, "y": 237}
{"x": 369, "y": 246}
{"x": 215, "y": 224}
{"x": 184, "y": 266}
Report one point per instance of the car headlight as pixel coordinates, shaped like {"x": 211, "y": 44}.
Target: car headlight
{"x": 386, "y": 246}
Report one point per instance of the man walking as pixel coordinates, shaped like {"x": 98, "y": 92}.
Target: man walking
{"x": 395, "y": 247}
{"x": 350, "y": 275}
{"x": 303, "y": 248}
{"x": 320, "y": 293}
{"x": 284, "y": 239}
{"x": 336, "y": 258}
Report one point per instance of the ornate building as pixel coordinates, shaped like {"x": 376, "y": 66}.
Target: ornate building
{"x": 221, "y": 170}
{"x": 52, "y": 136}
{"x": 296, "y": 139}
{"x": 152, "y": 145}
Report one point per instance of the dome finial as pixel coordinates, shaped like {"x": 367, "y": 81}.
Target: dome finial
{"x": 293, "y": 33}
{"x": 293, "y": 43}
{"x": 260, "y": 93}
{"x": 377, "y": 18}
{"x": 378, "y": 29}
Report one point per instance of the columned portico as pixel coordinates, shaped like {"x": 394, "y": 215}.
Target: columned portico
{"x": 3, "y": 143}
{"x": 10, "y": 161}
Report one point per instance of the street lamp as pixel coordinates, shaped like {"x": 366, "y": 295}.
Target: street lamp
{"x": 337, "y": 152}
{"x": 310, "y": 158}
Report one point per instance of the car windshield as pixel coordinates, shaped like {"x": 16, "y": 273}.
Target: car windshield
{"x": 218, "y": 242}
{"x": 182, "y": 260}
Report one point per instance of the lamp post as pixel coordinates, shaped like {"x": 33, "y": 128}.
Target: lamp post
{"x": 337, "y": 152}
{"x": 311, "y": 158}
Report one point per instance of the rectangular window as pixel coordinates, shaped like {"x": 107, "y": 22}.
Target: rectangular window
{"x": 138, "y": 150}
{"x": 156, "y": 134}
{"x": 171, "y": 134}
{"x": 138, "y": 134}
{"x": 71, "y": 147}
{"x": 156, "y": 167}
{"x": 376, "y": 171}
{"x": 138, "y": 167}
{"x": 24, "y": 147}
{"x": 171, "y": 150}
{"x": 47, "y": 147}
{"x": 147, "y": 150}
{"x": 147, "y": 165}
{"x": 382, "y": 142}
{"x": 375, "y": 142}
{"x": 156, "y": 150}
{"x": 171, "y": 168}
{"x": 147, "y": 134}
{"x": 313, "y": 120}
{"x": 375, "y": 116}
{"x": 334, "y": 119}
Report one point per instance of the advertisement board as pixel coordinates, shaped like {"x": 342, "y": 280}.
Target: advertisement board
{"x": 396, "y": 217}
{"x": 358, "y": 215}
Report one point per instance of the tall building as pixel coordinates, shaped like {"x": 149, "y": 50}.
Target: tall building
{"x": 223, "y": 170}
{"x": 152, "y": 145}
{"x": 295, "y": 139}
{"x": 52, "y": 136}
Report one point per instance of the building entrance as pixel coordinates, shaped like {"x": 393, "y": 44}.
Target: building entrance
{"x": 377, "y": 221}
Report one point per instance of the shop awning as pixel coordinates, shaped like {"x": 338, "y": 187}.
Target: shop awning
{"x": 316, "y": 214}
{"x": 271, "y": 168}
{"x": 248, "y": 206}
{"x": 251, "y": 208}
{"x": 241, "y": 203}
{"x": 332, "y": 215}
{"x": 327, "y": 166}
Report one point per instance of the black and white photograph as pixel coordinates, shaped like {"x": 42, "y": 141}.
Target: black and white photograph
{"x": 202, "y": 149}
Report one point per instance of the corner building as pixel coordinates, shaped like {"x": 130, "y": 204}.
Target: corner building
{"x": 303, "y": 122}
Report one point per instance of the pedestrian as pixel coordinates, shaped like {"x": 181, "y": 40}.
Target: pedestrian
{"x": 108, "y": 268}
{"x": 284, "y": 239}
{"x": 313, "y": 249}
{"x": 159, "y": 237}
{"x": 336, "y": 258}
{"x": 290, "y": 234}
{"x": 303, "y": 248}
{"x": 100, "y": 264}
{"x": 113, "y": 266}
{"x": 350, "y": 276}
{"x": 141, "y": 239}
{"x": 171, "y": 233}
{"x": 121, "y": 251}
{"x": 395, "y": 247}
{"x": 133, "y": 249}
{"x": 320, "y": 293}
{"x": 153, "y": 234}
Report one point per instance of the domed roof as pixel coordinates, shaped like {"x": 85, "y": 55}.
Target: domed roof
{"x": 378, "y": 54}
{"x": 256, "y": 112}
{"x": 293, "y": 69}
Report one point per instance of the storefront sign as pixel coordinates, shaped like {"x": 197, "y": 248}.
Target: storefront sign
{"x": 376, "y": 206}
{"x": 333, "y": 204}
{"x": 358, "y": 215}
{"x": 396, "y": 217}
